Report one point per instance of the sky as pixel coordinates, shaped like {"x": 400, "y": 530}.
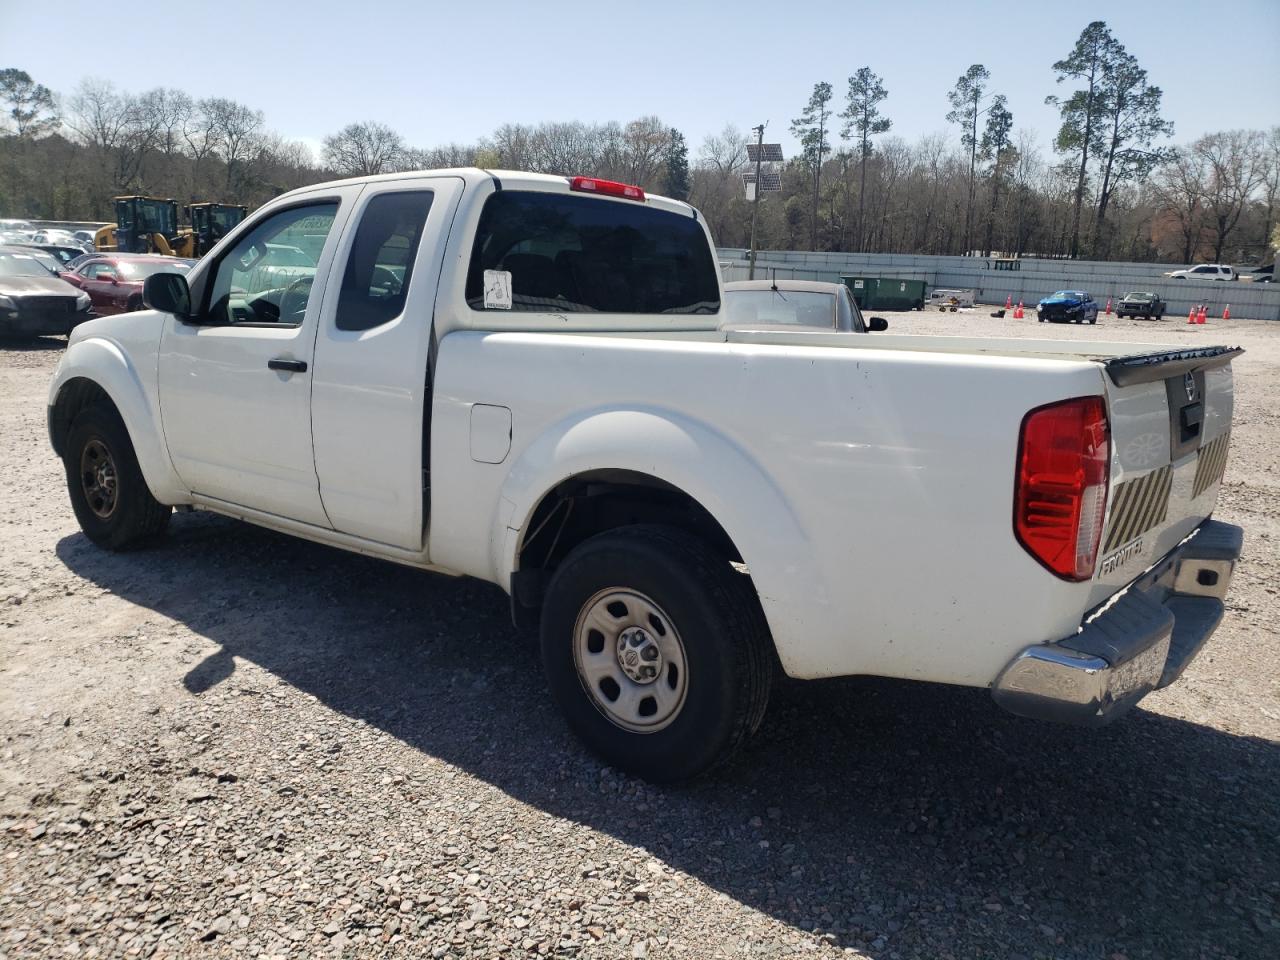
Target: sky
{"x": 449, "y": 72}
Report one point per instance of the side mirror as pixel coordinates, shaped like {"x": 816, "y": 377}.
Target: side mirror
{"x": 115, "y": 281}
{"x": 877, "y": 324}
{"x": 168, "y": 293}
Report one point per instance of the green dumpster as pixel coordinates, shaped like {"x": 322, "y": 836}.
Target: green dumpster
{"x": 886, "y": 293}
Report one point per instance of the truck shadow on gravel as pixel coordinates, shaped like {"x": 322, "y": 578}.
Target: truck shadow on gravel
{"x": 901, "y": 819}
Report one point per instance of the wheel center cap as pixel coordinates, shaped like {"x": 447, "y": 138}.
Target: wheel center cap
{"x": 639, "y": 655}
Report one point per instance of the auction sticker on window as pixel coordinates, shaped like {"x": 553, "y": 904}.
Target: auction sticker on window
{"x": 497, "y": 289}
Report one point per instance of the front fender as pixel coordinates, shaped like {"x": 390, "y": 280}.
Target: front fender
{"x": 701, "y": 462}
{"x": 103, "y": 361}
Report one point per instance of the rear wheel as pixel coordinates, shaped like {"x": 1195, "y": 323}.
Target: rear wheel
{"x": 656, "y": 651}
{"x": 108, "y": 493}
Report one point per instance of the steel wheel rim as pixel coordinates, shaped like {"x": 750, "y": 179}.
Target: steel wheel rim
{"x": 621, "y": 637}
{"x": 99, "y": 479}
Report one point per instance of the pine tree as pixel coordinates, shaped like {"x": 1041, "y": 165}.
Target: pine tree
{"x": 997, "y": 148}
{"x": 1081, "y": 112}
{"x": 27, "y": 101}
{"x": 966, "y": 106}
{"x": 675, "y": 182}
{"x": 862, "y": 122}
{"x": 811, "y": 128}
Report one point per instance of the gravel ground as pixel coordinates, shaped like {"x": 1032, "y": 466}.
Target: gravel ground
{"x": 238, "y": 744}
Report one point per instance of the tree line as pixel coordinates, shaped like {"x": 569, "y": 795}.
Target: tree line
{"x": 1112, "y": 183}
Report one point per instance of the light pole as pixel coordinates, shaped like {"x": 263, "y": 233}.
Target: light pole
{"x": 755, "y": 199}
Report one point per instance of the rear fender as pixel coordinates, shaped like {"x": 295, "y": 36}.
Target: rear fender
{"x": 102, "y": 362}
{"x": 705, "y": 465}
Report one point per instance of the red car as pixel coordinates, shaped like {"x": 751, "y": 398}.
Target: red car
{"x": 114, "y": 281}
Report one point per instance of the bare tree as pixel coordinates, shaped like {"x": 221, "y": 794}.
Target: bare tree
{"x": 167, "y": 112}
{"x": 234, "y": 126}
{"x": 361, "y": 149}
{"x": 1235, "y": 169}
{"x": 1179, "y": 186}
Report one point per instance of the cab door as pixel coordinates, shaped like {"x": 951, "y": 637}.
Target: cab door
{"x": 369, "y": 388}
{"x": 235, "y": 384}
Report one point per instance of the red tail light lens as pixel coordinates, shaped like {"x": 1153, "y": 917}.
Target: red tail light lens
{"x": 1064, "y": 460}
{"x": 609, "y": 188}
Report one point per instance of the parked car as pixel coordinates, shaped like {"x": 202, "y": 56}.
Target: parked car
{"x": 808, "y": 304}
{"x": 33, "y": 302}
{"x": 1204, "y": 271}
{"x": 20, "y": 226}
{"x": 1148, "y": 306}
{"x": 544, "y": 400}
{"x": 42, "y": 257}
{"x": 114, "y": 281}
{"x": 63, "y": 254}
{"x": 1068, "y": 306}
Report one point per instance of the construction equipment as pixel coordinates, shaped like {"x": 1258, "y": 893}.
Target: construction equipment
{"x": 210, "y": 222}
{"x": 150, "y": 225}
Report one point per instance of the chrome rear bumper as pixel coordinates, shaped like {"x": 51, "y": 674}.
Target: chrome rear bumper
{"x": 1140, "y": 640}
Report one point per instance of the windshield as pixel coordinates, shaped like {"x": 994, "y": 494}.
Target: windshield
{"x": 140, "y": 269}
{"x": 795, "y": 307}
{"x": 21, "y": 265}
{"x": 1067, "y": 295}
{"x": 1141, "y": 296}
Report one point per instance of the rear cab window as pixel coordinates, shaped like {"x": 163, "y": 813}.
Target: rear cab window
{"x": 790, "y": 307}
{"x": 556, "y": 253}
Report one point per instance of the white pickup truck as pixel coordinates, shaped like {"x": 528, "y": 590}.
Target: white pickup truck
{"x": 520, "y": 378}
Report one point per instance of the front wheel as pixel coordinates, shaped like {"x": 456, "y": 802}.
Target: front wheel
{"x": 108, "y": 493}
{"x": 656, "y": 651}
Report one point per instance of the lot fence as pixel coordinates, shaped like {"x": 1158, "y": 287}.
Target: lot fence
{"x": 1036, "y": 278}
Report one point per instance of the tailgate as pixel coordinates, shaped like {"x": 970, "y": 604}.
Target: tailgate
{"x": 1170, "y": 416}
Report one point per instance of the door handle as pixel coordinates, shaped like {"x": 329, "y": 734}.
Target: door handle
{"x": 290, "y": 366}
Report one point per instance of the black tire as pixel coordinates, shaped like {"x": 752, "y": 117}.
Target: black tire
{"x": 717, "y": 624}
{"x": 1093, "y": 319}
{"x": 129, "y": 517}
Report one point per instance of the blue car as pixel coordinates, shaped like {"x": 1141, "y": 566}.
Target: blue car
{"x": 1067, "y": 306}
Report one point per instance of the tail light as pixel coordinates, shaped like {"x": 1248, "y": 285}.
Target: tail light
{"x": 608, "y": 188}
{"x": 1064, "y": 457}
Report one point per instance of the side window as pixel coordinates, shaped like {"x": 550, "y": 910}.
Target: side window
{"x": 380, "y": 266}
{"x": 557, "y": 253}
{"x": 267, "y": 276}
{"x": 95, "y": 270}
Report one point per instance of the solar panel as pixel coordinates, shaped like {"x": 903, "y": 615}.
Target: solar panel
{"x": 770, "y": 152}
{"x": 768, "y": 181}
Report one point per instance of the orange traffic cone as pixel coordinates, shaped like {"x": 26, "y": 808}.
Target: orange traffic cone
{"x": 1191, "y": 317}
{"x": 1204, "y": 312}
{"x": 1008, "y": 302}
{"x": 1017, "y": 314}
{"x": 1226, "y": 312}
{"x": 1108, "y": 306}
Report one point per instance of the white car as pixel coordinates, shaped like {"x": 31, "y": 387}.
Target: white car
{"x": 1204, "y": 271}
{"x": 521, "y": 378}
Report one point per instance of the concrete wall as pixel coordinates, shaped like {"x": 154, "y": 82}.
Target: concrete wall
{"x": 1036, "y": 278}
